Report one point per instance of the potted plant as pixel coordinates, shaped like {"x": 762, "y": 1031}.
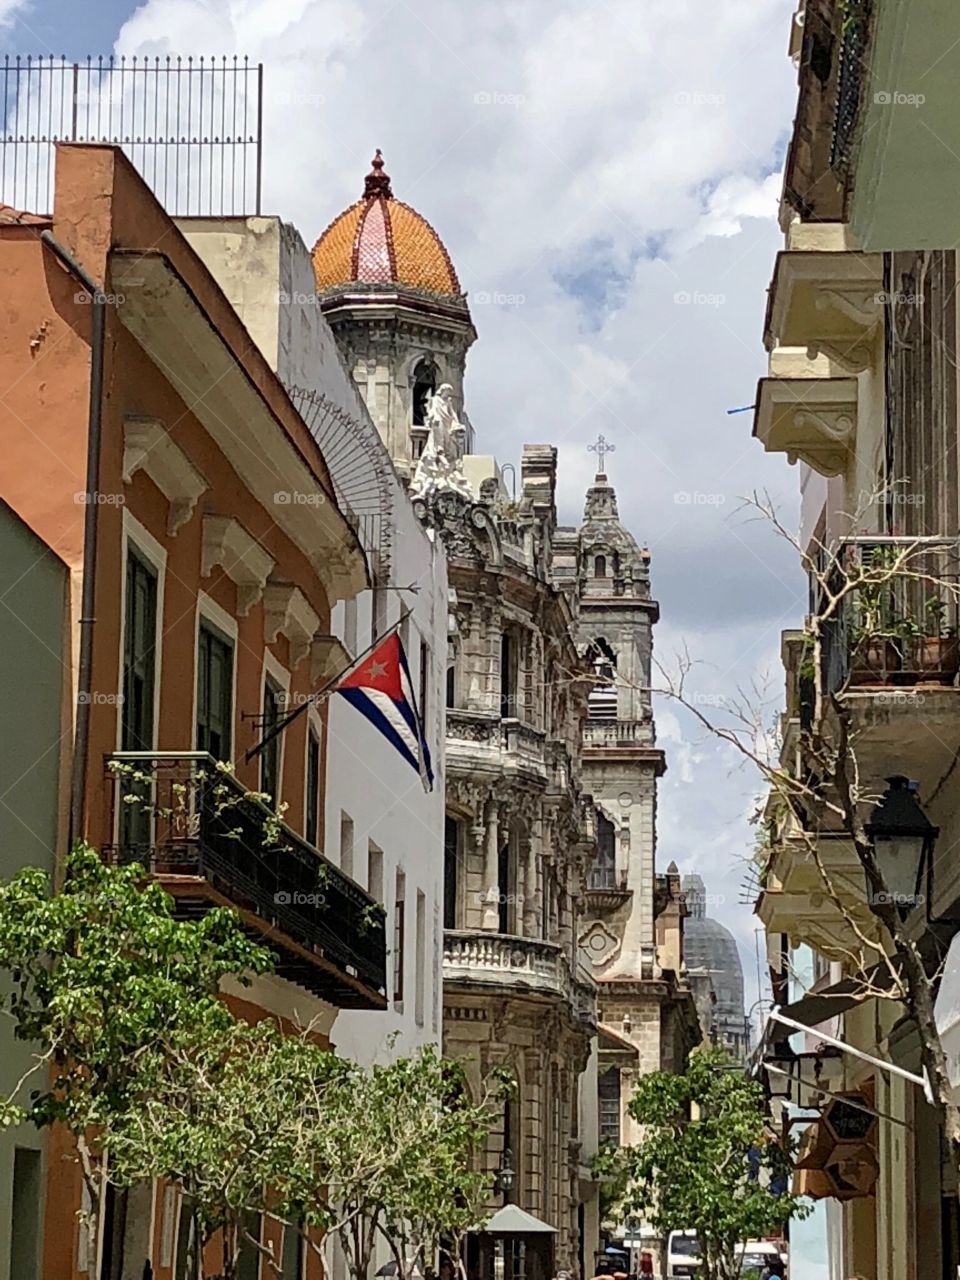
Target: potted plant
{"x": 875, "y": 653}
{"x": 936, "y": 649}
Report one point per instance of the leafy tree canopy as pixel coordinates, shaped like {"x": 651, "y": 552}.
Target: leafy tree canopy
{"x": 708, "y": 1161}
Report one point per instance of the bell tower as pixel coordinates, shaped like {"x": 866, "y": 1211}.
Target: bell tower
{"x": 389, "y": 292}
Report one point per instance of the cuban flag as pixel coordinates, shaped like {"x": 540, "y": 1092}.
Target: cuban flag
{"x": 381, "y": 690}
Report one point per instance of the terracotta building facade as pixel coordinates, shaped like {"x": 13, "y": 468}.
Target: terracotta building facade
{"x": 149, "y": 441}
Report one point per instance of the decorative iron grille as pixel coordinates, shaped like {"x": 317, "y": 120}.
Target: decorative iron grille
{"x": 193, "y": 127}
{"x": 361, "y": 471}
{"x": 850, "y": 84}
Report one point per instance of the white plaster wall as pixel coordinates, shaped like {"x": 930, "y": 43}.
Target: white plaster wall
{"x": 264, "y": 268}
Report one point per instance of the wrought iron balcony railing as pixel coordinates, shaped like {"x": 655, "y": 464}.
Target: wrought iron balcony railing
{"x": 851, "y": 78}
{"x": 211, "y": 843}
{"x": 897, "y": 621}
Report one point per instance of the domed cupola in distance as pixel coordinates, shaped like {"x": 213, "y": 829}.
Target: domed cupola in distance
{"x": 391, "y": 295}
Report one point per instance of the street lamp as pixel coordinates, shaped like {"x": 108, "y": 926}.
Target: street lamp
{"x": 903, "y": 841}
{"x": 506, "y": 1174}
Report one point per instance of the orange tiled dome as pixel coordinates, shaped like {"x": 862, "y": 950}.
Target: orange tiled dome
{"x": 381, "y": 240}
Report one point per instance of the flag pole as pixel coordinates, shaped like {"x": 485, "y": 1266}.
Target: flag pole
{"x": 313, "y": 698}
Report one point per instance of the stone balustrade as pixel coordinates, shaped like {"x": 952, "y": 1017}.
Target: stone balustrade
{"x": 488, "y": 959}
{"x": 617, "y": 733}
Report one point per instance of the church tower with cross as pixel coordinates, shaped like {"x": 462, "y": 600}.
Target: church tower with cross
{"x": 390, "y": 293}
{"x": 631, "y": 926}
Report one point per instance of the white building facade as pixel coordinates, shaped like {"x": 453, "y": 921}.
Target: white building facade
{"x": 380, "y": 826}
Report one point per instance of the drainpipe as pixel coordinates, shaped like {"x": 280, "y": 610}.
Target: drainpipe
{"x": 88, "y": 593}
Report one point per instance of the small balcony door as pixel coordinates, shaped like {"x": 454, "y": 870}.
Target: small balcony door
{"x": 138, "y": 713}
{"x": 214, "y": 693}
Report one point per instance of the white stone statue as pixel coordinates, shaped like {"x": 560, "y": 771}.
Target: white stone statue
{"x": 439, "y": 466}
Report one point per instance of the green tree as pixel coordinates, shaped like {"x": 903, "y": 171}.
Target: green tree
{"x": 708, "y": 1161}
{"x": 438, "y": 1191}
{"x": 393, "y": 1154}
{"x": 108, "y": 985}
{"x": 231, "y": 1121}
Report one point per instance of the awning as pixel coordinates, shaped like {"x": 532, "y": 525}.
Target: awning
{"x": 771, "y": 1034}
{"x": 511, "y": 1220}
{"x": 820, "y": 1006}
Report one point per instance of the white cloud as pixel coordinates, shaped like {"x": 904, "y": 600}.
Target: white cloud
{"x": 611, "y": 163}
{"x": 9, "y": 10}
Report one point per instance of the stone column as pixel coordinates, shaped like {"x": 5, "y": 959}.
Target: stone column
{"x": 491, "y": 868}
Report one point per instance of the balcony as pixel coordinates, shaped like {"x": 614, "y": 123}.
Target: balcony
{"x": 482, "y": 741}
{"x": 829, "y": 303}
{"x": 810, "y": 419}
{"x": 876, "y": 131}
{"x": 484, "y": 960}
{"x": 795, "y": 899}
{"x": 210, "y": 843}
{"x": 621, "y": 739}
{"x": 898, "y": 626}
{"x": 606, "y": 890}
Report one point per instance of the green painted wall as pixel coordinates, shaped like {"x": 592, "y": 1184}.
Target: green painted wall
{"x": 33, "y": 593}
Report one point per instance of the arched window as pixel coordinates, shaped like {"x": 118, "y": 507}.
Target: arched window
{"x": 600, "y": 567}
{"x": 425, "y": 377}
{"x": 603, "y": 873}
{"x": 602, "y": 702}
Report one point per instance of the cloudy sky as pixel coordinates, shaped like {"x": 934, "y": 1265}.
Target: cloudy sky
{"x": 605, "y": 174}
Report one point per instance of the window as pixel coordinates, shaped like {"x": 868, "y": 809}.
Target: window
{"x": 508, "y": 675}
{"x": 311, "y": 821}
{"x": 25, "y": 1233}
{"x": 421, "y": 959}
{"x": 291, "y": 1258}
{"x": 139, "y": 683}
{"x": 399, "y": 923}
{"x": 451, "y": 867}
{"x": 375, "y": 872}
{"x": 185, "y": 1233}
{"x": 346, "y": 844}
{"x": 608, "y": 1099}
{"x": 139, "y": 655}
{"x": 214, "y": 693}
{"x": 603, "y": 873}
{"x": 270, "y": 755}
{"x": 451, "y": 685}
{"x": 249, "y": 1263}
{"x": 506, "y": 886}
{"x": 602, "y": 701}
{"x": 424, "y": 385}
{"x": 600, "y": 567}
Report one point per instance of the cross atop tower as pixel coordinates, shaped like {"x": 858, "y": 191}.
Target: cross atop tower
{"x": 601, "y": 449}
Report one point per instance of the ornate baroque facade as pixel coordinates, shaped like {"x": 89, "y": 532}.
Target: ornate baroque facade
{"x": 632, "y": 919}
{"x": 527, "y": 611}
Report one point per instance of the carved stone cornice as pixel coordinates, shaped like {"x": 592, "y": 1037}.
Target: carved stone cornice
{"x": 147, "y": 447}
{"x": 225, "y": 542}
{"x": 288, "y": 612}
{"x": 328, "y": 657}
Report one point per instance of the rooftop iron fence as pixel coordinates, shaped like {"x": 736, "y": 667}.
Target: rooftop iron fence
{"x": 193, "y": 127}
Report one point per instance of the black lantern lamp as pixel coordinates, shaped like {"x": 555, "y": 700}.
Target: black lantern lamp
{"x": 506, "y": 1174}
{"x": 903, "y": 840}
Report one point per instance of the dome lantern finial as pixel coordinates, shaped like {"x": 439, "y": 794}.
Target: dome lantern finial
{"x": 377, "y": 183}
